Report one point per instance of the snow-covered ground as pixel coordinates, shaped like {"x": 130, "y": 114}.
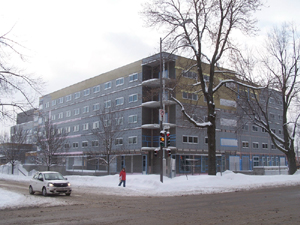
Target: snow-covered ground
{"x": 150, "y": 185}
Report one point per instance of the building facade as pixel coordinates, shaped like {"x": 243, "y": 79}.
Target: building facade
{"x": 127, "y": 100}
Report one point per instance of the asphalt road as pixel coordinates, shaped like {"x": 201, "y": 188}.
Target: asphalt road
{"x": 263, "y": 206}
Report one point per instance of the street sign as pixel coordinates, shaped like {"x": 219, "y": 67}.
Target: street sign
{"x": 161, "y": 114}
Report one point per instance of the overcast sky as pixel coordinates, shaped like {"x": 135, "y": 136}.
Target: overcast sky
{"x": 68, "y": 41}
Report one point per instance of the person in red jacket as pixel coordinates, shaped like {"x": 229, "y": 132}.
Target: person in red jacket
{"x": 122, "y": 177}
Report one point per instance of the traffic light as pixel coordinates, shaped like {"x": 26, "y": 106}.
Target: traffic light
{"x": 162, "y": 139}
{"x": 168, "y": 139}
{"x": 155, "y": 152}
{"x": 169, "y": 152}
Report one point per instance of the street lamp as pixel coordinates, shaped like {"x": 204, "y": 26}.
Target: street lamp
{"x": 161, "y": 94}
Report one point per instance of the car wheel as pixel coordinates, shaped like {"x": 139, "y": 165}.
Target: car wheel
{"x": 31, "y": 190}
{"x": 44, "y": 191}
{"x": 68, "y": 194}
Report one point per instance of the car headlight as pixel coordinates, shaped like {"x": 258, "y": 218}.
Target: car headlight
{"x": 69, "y": 184}
{"x": 50, "y": 185}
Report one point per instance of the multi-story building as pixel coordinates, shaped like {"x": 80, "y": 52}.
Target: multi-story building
{"x": 132, "y": 94}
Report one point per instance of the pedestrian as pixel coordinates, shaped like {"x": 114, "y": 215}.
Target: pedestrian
{"x": 122, "y": 177}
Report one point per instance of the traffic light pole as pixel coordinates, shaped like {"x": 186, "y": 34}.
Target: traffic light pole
{"x": 162, "y": 116}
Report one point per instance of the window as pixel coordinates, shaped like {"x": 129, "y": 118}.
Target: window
{"x": 60, "y": 100}
{"x": 263, "y": 130}
{"x": 76, "y": 111}
{"x": 133, "y": 77}
{"x": 190, "y": 96}
{"x": 67, "y": 145}
{"x": 53, "y": 102}
{"x": 76, "y": 128}
{"x": 190, "y": 139}
{"x": 132, "y": 140}
{"x": 206, "y": 140}
{"x": 68, "y": 113}
{"x": 119, "y": 141}
{"x": 255, "y": 161}
{"x": 255, "y": 145}
{"x": 86, "y": 92}
{"x": 264, "y": 145}
{"x": 68, "y": 98}
{"x": 119, "y": 81}
{"x": 119, "y": 121}
{"x": 133, "y": 98}
{"x": 273, "y": 147}
{"x": 245, "y": 144}
{"x": 77, "y": 95}
{"x": 95, "y": 143}
{"x": 273, "y": 130}
{"x": 107, "y": 123}
{"x": 75, "y": 144}
{"x": 190, "y": 74}
{"x": 96, "y": 125}
{"x": 53, "y": 117}
{"x": 96, "y": 107}
{"x": 47, "y": 105}
{"x": 86, "y": 109}
{"x": 245, "y": 127}
{"x": 119, "y": 101}
{"x": 96, "y": 89}
{"x": 85, "y": 126}
{"x": 107, "y": 85}
{"x": 272, "y": 116}
{"x": 59, "y": 130}
{"x": 84, "y": 144}
{"x": 254, "y": 128}
{"x": 68, "y": 129}
{"x": 132, "y": 119}
{"x": 60, "y": 115}
{"x": 107, "y": 104}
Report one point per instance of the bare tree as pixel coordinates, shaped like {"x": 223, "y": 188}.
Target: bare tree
{"x": 279, "y": 66}
{"x": 204, "y": 30}
{"x": 13, "y": 147}
{"x": 50, "y": 141}
{"x": 107, "y": 140}
{"x": 16, "y": 88}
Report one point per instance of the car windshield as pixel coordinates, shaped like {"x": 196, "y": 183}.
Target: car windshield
{"x": 53, "y": 176}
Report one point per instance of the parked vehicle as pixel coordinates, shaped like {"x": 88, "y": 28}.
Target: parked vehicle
{"x": 49, "y": 182}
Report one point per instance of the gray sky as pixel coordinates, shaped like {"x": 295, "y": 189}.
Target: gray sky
{"x": 68, "y": 41}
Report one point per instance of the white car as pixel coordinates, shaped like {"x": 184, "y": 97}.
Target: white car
{"x": 49, "y": 182}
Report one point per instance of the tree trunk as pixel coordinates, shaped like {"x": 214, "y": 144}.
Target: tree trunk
{"x": 291, "y": 161}
{"x": 211, "y": 135}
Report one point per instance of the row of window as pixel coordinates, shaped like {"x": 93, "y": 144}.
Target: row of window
{"x": 256, "y": 129}
{"x": 95, "y": 143}
{"x": 245, "y": 144}
{"x": 95, "y": 89}
{"x": 107, "y": 104}
{"x": 96, "y": 124}
{"x": 255, "y": 145}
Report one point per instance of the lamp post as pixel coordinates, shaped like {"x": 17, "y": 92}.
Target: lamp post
{"x": 161, "y": 90}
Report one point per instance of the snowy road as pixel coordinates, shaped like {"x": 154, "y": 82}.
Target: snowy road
{"x": 261, "y": 206}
